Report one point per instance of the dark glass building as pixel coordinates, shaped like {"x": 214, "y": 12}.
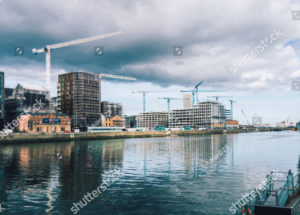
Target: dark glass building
{"x": 78, "y": 95}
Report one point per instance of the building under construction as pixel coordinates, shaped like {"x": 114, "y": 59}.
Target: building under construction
{"x": 110, "y": 109}
{"x": 78, "y": 95}
{"x": 152, "y": 119}
{"x": 201, "y": 115}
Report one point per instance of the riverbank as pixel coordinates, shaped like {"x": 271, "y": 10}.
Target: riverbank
{"x": 43, "y": 137}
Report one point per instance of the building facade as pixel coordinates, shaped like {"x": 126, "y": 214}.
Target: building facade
{"x": 130, "y": 121}
{"x": 110, "y": 109}
{"x": 187, "y": 101}
{"x": 78, "y": 95}
{"x": 230, "y": 124}
{"x": 152, "y": 119}
{"x": 45, "y": 123}
{"x": 22, "y": 99}
{"x": 202, "y": 115}
{"x": 115, "y": 121}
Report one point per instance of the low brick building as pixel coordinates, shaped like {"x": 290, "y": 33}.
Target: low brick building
{"x": 45, "y": 122}
{"x": 115, "y": 121}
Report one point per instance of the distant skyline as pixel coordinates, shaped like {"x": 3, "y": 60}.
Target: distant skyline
{"x": 213, "y": 40}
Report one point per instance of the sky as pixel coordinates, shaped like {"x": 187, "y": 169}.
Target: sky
{"x": 249, "y": 50}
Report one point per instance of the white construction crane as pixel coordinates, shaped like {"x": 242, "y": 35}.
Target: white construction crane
{"x": 121, "y": 77}
{"x": 48, "y": 49}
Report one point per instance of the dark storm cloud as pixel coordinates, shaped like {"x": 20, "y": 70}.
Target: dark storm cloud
{"x": 212, "y": 38}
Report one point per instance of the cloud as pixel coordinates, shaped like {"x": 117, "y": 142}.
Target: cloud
{"x": 212, "y": 38}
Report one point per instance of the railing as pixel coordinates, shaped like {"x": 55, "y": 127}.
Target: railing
{"x": 290, "y": 188}
{"x": 261, "y": 196}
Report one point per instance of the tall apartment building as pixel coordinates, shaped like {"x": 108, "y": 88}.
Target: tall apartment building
{"x": 152, "y": 119}
{"x": 78, "y": 95}
{"x": 110, "y": 109}
{"x": 202, "y": 115}
{"x": 23, "y": 98}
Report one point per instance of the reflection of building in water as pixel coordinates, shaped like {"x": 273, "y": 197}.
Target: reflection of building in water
{"x": 37, "y": 161}
{"x": 202, "y": 148}
{"x": 84, "y": 170}
{"x": 173, "y": 153}
{"x": 112, "y": 153}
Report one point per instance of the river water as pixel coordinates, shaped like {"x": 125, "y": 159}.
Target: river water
{"x": 154, "y": 175}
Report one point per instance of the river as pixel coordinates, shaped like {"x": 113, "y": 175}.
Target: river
{"x": 150, "y": 175}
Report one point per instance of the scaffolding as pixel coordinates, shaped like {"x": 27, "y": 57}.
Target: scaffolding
{"x": 78, "y": 95}
{"x": 152, "y": 119}
{"x": 201, "y": 115}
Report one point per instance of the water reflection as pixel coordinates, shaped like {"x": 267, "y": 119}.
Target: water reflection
{"x": 163, "y": 173}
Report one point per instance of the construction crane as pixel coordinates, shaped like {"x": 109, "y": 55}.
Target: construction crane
{"x": 231, "y": 107}
{"x": 194, "y": 93}
{"x": 168, "y": 101}
{"x": 217, "y": 97}
{"x": 196, "y": 90}
{"x": 144, "y": 96}
{"x": 245, "y": 117}
{"x": 120, "y": 77}
{"x": 47, "y": 49}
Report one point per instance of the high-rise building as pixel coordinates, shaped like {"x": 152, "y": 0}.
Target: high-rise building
{"x": 78, "y": 95}
{"x": 23, "y": 99}
{"x": 187, "y": 101}
{"x": 202, "y": 115}
{"x": 152, "y": 119}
